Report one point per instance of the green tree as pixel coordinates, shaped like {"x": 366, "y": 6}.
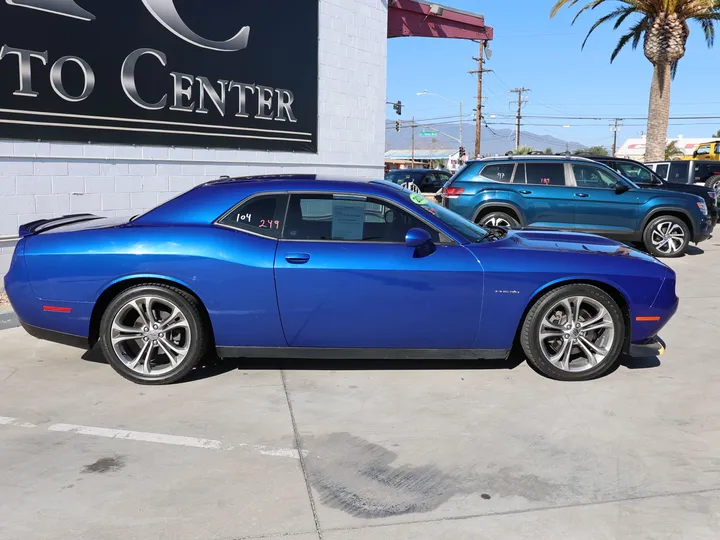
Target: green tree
{"x": 549, "y": 151}
{"x": 663, "y": 27}
{"x": 717, "y": 134}
{"x": 593, "y": 151}
{"x": 521, "y": 150}
{"x": 672, "y": 151}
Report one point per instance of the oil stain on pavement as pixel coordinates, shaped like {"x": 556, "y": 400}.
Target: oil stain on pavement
{"x": 357, "y": 477}
{"x": 105, "y": 465}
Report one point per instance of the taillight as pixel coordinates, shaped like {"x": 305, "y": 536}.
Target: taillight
{"x": 454, "y": 191}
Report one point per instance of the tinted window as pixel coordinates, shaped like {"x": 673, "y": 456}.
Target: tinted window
{"x": 502, "y": 172}
{"x": 433, "y": 182}
{"x": 549, "y": 174}
{"x": 634, "y": 172}
{"x": 262, "y": 215}
{"x": 679, "y": 172}
{"x": 348, "y": 218}
{"x": 403, "y": 177}
{"x": 662, "y": 171}
{"x": 588, "y": 176}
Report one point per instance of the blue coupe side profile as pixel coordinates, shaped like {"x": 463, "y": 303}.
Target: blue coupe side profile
{"x": 302, "y": 267}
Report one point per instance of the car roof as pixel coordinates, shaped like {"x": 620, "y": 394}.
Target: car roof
{"x": 530, "y": 157}
{"x": 203, "y": 204}
{"x": 416, "y": 170}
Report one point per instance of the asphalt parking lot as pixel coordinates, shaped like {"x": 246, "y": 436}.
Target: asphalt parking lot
{"x": 399, "y": 451}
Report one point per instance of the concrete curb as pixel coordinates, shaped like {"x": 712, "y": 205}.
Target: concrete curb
{"x": 8, "y": 320}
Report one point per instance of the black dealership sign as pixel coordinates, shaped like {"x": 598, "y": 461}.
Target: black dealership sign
{"x": 209, "y": 73}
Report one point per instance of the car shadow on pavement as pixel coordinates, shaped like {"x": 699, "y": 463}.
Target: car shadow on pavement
{"x": 213, "y": 366}
{"x": 694, "y": 250}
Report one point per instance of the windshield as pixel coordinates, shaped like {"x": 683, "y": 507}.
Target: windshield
{"x": 636, "y": 172}
{"x": 621, "y": 179}
{"x": 460, "y": 225}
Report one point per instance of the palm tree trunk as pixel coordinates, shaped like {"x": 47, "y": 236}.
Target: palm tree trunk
{"x": 658, "y": 113}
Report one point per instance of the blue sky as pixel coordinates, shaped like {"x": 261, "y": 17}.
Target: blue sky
{"x": 533, "y": 51}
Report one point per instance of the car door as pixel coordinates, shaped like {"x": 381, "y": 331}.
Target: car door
{"x": 600, "y": 208}
{"x": 346, "y": 279}
{"x": 547, "y": 200}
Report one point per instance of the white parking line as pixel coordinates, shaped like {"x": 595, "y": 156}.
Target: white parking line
{"x": 7, "y": 421}
{"x": 158, "y": 438}
{"x": 137, "y": 436}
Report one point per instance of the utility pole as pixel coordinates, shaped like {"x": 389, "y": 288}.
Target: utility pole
{"x": 615, "y": 128}
{"x": 478, "y": 119}
{"x": 413, "y": 142}
{"x": 520, "y": 103}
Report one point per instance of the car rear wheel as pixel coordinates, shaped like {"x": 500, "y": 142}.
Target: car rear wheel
{"x": 666, "y": 236}
{"x": 714, "y": 183}
{"x": 498, "y": 219}
{"x": 574, "y": 333}
{"x": 153, "y": 334}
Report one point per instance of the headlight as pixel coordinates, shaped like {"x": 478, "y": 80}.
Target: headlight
{"x": 712, "y": 194}
{"x": 703, "y": 207}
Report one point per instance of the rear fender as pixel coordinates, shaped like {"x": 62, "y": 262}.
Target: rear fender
{"x": 500, "y": 199}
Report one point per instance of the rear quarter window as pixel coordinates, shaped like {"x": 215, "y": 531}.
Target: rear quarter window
{"x": 263, "y": 215}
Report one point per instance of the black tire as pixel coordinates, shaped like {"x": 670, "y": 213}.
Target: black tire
{"x": 498, "y": 219}
{"x": 536, "y": 353}
{"x": 655, "y": 230}
{"x": 197, "y": 333}
{"x": 713, "y": 182}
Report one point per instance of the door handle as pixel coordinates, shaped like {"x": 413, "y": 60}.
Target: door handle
{"x": 525, "y": 192}
{"x": 583, "y": 195}
{"x": 297, "y": 258}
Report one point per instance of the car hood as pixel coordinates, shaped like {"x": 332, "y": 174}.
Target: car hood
{"x": 565, "y": 241}
{"x": 701, "y": 191}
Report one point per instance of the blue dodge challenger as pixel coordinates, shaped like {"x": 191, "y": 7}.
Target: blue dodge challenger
{"x": 302, "y": 267}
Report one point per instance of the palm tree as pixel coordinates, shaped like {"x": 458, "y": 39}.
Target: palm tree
{"x": 672, "y": 151}
{"x": 522, "y": 150}
{"x": 663, "y": 26}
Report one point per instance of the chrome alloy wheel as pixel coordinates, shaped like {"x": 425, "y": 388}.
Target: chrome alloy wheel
{"x": 498, "y": 222}
{"x": 668, "y": 237}
{"x": 151, "y": 335}
{"x": 576, "y": 334}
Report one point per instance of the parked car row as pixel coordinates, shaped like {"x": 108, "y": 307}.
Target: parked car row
{"x": 584, "y": 195}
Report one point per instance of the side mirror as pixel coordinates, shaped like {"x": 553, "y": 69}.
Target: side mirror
{"x": 417, "y": 237}
{"x": 621, "y": 188}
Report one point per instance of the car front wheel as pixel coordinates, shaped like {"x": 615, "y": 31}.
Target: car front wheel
{"x": 574, "y": 333}
{"x": 153, "y": 334}
{"x": 666, "y": 236}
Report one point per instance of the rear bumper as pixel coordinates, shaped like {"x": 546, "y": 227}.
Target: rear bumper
{"x": 56, "y": 337}
{"x": 652, "y": 347}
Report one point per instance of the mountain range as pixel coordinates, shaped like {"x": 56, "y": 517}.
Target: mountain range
{"x": 494, "y": 141}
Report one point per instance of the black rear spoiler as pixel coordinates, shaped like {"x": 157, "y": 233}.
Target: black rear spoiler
{"x": 42, "y": 225}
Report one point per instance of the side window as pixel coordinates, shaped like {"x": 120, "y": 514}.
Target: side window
{"x": 662, "y": 171}
{"x": 717, "y": 148}
{"x": 679, "y": 172}
{"x": 703, "y": 150}
{"x": 588, "y": 176}
{"x": 261, "y": 215}
{"x": 432, "y": 182}
{"x": 636, "y": 173}
{"x": 501, "y": 172}
{"x": 548, "y": 174}
{"x": 348, "y": 218}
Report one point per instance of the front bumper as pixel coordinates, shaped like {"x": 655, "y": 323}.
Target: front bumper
{"x": 652, "y": 347}
{"x": 704, "y": 231}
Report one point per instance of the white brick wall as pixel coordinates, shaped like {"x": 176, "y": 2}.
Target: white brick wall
{"x": 48, "y": 179}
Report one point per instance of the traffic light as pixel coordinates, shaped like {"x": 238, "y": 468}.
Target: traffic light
{"x": 398, "y": 108}
{"x": 397, "y": 125}
{"x": 462, "y": 152}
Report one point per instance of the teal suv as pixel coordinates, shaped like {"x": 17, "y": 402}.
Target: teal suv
{"x": 576, "y": 194}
